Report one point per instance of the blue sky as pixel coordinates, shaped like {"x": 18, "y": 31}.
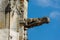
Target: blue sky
{"x": 41, "y": 8}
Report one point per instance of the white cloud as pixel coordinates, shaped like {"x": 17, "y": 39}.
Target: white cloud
{"x": 43, "y": 2}
{"x": 50, "y": 3}
{"x": 55, "y": 15}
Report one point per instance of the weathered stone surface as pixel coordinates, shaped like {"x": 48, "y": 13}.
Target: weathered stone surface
{"x": 4, "y": 34}
{"x": 2, "y": 20}
{"x": 3, "y": 4}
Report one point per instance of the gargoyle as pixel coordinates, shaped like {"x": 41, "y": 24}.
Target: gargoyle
{"x": 36, "y": 22}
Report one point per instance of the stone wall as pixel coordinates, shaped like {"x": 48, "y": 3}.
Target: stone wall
{"x": 2, "y": 20}
{"x": 11, "y": 20}
{"x": 3, "y": 4}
